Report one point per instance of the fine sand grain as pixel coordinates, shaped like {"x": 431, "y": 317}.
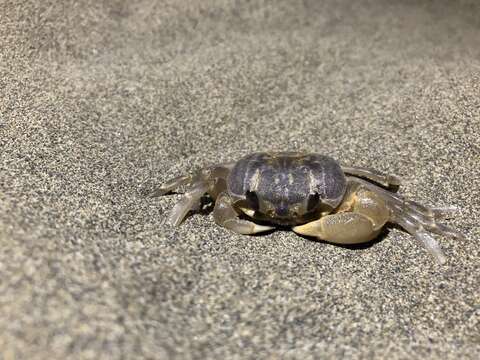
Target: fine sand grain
{"x": 102, "y": 100}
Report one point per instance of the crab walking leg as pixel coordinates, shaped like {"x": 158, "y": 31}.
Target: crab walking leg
{"x": 226, "y": 216}
{"x": 429, "y": 224}
{"x": 189, "y": 202}
{"x": 424, "y": 237}
{"x": 416, "y": 219}
{"x": 374, "y": 175}
{"x": 171, "y": 185}
{"x": 218, "y": 172}
{"x": 363, "y": 215}
{"x": 437, "y": 213}
{"x": 421, "y": 213}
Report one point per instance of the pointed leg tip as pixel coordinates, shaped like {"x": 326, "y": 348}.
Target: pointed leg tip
{"x": 438, "y": 254}
{"x": 174, "y": 221}
{"x": 177, "y": 214}
{"x": 441, "y": 259}
{"x": 431, "y": 245}
{"x": 171, "y": 221}
{"x": 157, "y": 193}
{"x": 447, "y": 212}
{"x": 394, "y": 180}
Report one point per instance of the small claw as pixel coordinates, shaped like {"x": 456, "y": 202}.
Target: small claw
{"x": 245, "y": 227}
{"x": 262, "y": 228}
{"x": 249, "y": 212}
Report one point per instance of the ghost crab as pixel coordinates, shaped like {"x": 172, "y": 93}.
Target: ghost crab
{"x": 311, "y": 193}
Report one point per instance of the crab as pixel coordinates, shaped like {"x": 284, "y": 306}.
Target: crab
{"x": 312, "y": 194}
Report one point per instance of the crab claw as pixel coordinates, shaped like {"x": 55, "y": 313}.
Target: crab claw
{"x": 248, "y": 212}
{"x": 341, "y": 228}
{"x": 309, "y": 229}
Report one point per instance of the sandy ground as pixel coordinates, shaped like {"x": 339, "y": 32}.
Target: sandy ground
{"x": 102, "y": 100}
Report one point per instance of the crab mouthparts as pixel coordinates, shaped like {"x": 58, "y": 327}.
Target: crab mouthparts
{"x": 281, "y": 211}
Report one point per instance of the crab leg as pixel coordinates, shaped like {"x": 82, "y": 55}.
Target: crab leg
{"x": 171, "y": 185}
{"x": 429, "y": 224}
{"x": 432, "y": 212}
{"x": 210, "y": 180}
{"x": 415, "y": 218}
{"x": 424, "y": 237}
{"x": 421, "y": 213}
{"x": 226, "y": 216}
{"x": 189, "y": 202}
{"x": 374, "y": 175}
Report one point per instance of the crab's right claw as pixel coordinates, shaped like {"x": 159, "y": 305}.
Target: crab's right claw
{"x": 341, "y": 228}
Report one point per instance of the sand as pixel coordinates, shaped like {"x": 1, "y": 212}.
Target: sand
{"x": 101, "y": 101}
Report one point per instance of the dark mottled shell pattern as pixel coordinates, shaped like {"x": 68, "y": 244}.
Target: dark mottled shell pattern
{"x": 286, "y": 179}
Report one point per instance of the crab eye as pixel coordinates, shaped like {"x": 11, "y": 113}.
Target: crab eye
{"x": 312, "y": 201}
{"x": 252, "y": 199}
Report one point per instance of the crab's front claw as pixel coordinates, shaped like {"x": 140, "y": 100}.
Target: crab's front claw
{"x": 359, "y": 219}
{"x": 225, "y": 215}
{"x": 341, "y": 228}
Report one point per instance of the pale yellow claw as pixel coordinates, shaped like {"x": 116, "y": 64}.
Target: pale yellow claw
{"x": 358, "y": 220}
{"x": 342, "y": 228}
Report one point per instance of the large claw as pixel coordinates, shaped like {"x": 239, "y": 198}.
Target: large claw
{"x": 341, "y": 228}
